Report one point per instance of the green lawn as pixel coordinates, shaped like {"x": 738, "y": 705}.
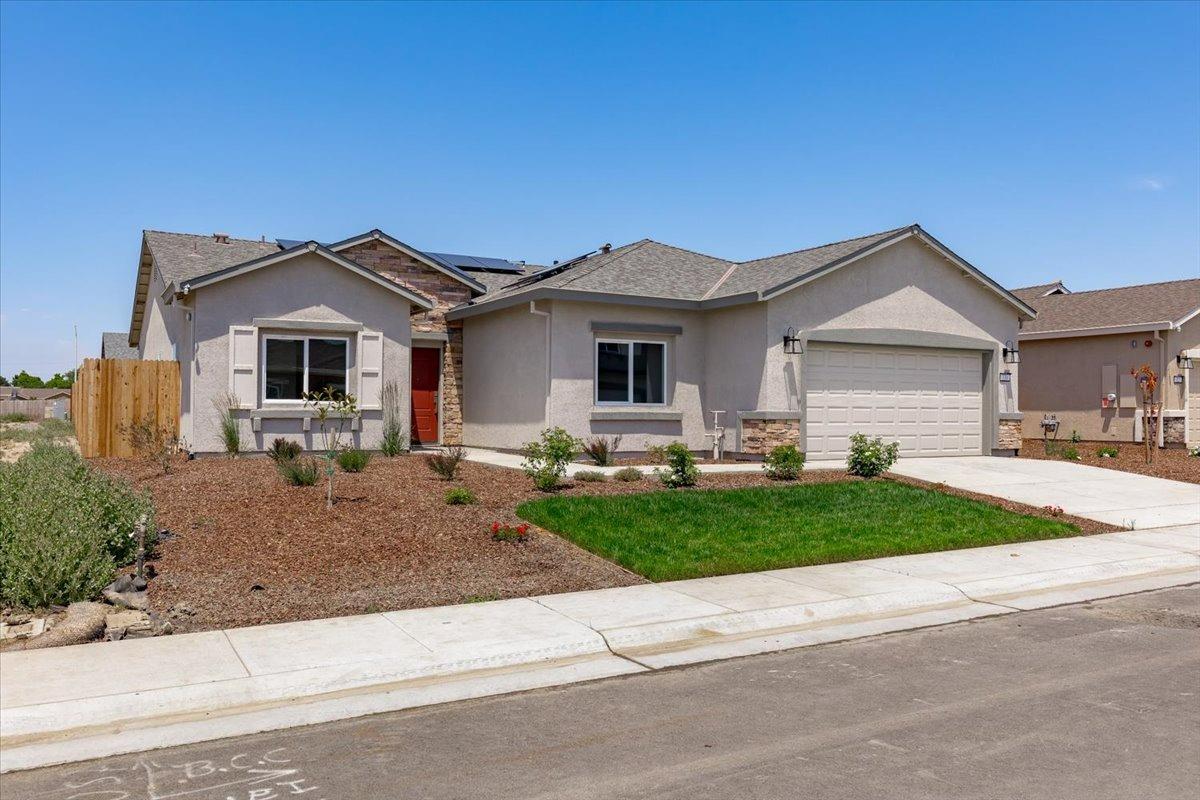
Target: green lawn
{"x": 670, "y": 535}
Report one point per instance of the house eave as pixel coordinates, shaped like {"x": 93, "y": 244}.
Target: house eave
{"x": 1108, "y": 330}
{"x": 465, "y": 310}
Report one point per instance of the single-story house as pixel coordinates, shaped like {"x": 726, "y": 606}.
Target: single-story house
{"x": 890, "y": 334}
{"x": 115, "y": 344}
{"x": 1077, "y": 359}
{"x": 19, "y": 393}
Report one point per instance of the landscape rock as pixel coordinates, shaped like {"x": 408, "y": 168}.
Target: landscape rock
{"x": 123, "y": 583}
{"x": 131, "y": 599}
{"x": 82, "y": 622}
{"x": 180, "y": 610}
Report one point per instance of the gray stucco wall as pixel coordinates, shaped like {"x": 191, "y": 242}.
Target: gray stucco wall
{"x": 573, "y": 364}
{"x": 303, "y": 289}
{"x": 162, "y": 324}
{"x": 906, "y": 286}
{"x": 504, "y": 378}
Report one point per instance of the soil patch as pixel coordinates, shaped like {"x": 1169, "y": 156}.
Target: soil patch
{"x": 1172, "y": 463}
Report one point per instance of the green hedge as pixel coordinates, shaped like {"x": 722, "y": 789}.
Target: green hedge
{"x": 64, "y": 527}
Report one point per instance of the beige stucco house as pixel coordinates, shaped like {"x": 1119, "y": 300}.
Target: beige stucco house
{"x": 890, "y": 334}
{"x": 1077, "y": 357}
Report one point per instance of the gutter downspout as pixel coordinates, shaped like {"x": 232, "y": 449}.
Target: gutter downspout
{"x": 548, "y": 406}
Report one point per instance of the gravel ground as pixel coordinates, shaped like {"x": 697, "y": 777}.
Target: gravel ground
{"x": 390, "y": 542}
{"x": 1173, "y": 462}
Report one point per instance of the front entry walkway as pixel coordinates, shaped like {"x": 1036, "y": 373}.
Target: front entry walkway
{"x": 1107, "y": 495}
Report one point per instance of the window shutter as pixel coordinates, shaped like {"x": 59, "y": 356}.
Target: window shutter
{"x": 370, "y": 369}
{"x": 243, "y": 364}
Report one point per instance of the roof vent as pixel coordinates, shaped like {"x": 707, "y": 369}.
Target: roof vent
{"x": 606, "y": 247}
{"x": 221, "y": 238}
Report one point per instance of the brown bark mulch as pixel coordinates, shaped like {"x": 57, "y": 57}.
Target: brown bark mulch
{"x": 1173, "y": 463}
{"x": 248, "y": 549}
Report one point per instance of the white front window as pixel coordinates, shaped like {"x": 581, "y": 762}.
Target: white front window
{"x": 294, "y": 365}
{"x": 630, "y": 372}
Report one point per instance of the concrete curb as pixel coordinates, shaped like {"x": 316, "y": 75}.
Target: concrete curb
{"x": 95, "y": 700}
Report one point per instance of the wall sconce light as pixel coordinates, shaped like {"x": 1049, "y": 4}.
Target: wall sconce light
{"x": 1177, "y": 380}
{"x": 1011, "y": 354}
{"x": 1183, "y": 361}
{"x": 791, "y": 343}
{"x": 1006, "y": 376}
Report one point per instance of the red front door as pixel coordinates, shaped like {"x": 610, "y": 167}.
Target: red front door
{"x": 426, "y": 369}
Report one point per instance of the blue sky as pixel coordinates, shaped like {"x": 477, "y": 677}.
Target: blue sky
{"x": 1038, "y": 141}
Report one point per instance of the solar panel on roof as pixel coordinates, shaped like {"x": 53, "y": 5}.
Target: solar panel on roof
{"x": 475, "y": 262}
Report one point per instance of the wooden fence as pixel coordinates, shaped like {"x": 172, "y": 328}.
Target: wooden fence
{"x": 112, "y": 394}
{"x": 34, "y": 409}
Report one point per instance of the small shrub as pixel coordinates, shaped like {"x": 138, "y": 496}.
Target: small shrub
{"x": 231, "y": 429}
{"x": 152, "y": 442}
{"x": 1194, "y": 452}
{"x": 393, "y": 441}
{"x": 15, "y": 418}
{"x": 299, "y": 471}
{"x": 1069, "y": 452}
{"x": 1054, "y": 511}
{"x": 784, "y": 462}
{"x": 353, "y": 460}
{"x": 601, "y": 449}
{"x": 590, "y": 476}
{"x": 628, "y": 474}
{"x": 681, "y": 467}
{"x": 65, "y": 528}
{"x": 1107, "y": 451}
{"x": 656, "y": 454}
{"x": 546, "y": 460}
{"x": 459, "y": 496}
{"x": 510, "y": 533}
{"x": 1075, "y": 437}
{"x": 284, "y": 449}
{"x": 445, "y": 464}
{"x": 870, "y": 458}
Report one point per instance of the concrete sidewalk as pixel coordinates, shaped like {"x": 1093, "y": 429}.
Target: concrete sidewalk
{"x": 74, "y": 703}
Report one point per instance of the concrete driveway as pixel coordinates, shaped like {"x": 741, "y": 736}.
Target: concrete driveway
{"x": 1106, "y": 495}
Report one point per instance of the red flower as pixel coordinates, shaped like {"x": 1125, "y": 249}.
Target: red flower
{"x": 496, "y": 527}
{"x": 522, "y": 528}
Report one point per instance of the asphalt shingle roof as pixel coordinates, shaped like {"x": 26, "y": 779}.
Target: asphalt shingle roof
{"x": 181, "y": 256}
{"x": 1103, "y": 308}
{"x": 767, "y": 273}
{"x": 1027, "y": 293}
{"x": 115, "y": 344}
{"x": 647, "y": 268}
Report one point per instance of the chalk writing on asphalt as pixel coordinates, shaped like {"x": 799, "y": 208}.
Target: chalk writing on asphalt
{"x": 269, "y": 775}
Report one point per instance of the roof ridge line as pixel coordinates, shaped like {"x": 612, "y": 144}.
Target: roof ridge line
{"x": 209, "y": 236}
{"x": 1119, "y": 288}
{"x": 828, "y": 244}
{"x": 632, "y": 246}
{"x": 693, "y": 252}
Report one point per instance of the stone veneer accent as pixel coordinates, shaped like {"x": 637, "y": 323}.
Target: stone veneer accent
{"x": 1174, "y": 430}
{"x": 760, "y": 435}
{"x": 1009, "y": 437}
{"x": 447, "y": 293}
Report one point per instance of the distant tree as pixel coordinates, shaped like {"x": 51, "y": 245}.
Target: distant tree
{"x": 23, "y": 380}
{"x": 61, "y": 380}
{"x": 4, "y": 381}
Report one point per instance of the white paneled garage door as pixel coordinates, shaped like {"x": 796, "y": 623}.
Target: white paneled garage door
{"x": 930, "y": 401}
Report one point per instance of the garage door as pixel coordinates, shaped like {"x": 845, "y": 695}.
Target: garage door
{"x": 930, "y": 401}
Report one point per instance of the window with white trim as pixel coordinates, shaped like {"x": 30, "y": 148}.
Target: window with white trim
{"x": 629, "y": 372}
{"x": 294, "y": 365}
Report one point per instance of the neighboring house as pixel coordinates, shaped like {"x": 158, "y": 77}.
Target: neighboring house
{"x": 115, "y": 344}
{"x": 1077, "y": 358}
{"x": 17, "y": 393}
{"x": 889, "y": 334}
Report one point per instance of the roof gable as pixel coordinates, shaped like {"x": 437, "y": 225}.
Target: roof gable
{"x": 236, "y": 270}
{"x": 434, "y": 262}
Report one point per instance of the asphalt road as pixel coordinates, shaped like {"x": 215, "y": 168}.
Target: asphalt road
{"x": 1100, "y": 700}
